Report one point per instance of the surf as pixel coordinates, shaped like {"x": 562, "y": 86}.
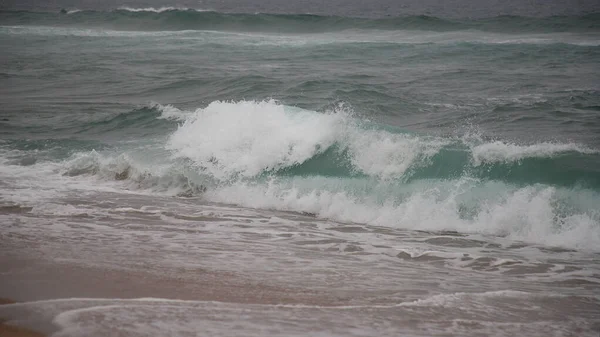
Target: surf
{"x": 340, "y": 166}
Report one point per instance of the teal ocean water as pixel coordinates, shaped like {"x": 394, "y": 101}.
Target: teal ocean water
{"x": 485, "y": 126}
{"x": 468, "y": 116}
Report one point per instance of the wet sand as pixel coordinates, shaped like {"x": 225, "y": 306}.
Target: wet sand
{"x": 7, "y": 330}
{"x": 40, "y": 279}
{"x": 188, "y": 269}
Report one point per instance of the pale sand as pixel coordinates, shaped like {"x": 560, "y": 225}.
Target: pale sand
{"x": 32, "y": 280}
{"x": 14, "y": 331}
{"x": 28, "y": 279}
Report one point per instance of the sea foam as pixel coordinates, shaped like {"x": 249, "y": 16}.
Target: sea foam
{"x": 265, "y": 155}
{"x": 499, "y": 151}
{"x": 158, "y": 9}
{"x": 249, "y": 138}
{"x": 236, "y": 141}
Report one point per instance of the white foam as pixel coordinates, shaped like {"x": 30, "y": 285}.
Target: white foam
{"x": 452, "y": 38}
{"x": 42, "y": 183}
{"x": 248, "y": 138}
{"x": 236, "y": 141}
{"x": 62, "y": 209}
{"x": 504, "y": 152}
{"x": 451, "y": 300}
{"x": 85, "y": 32}
{"x": 170, "y": 112}
{"x": 161, "y": 317}
{"x": 530, "y": 213}
{"x": 304, "y": 40}
{"x": 159, "y": 9}
{"x": 387, "y": 155}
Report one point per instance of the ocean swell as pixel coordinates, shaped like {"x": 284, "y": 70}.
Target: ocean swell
{"x": 178, "y": 18}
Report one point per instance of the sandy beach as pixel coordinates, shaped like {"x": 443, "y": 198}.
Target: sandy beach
{"x": 41, "y": 280}
{"x": 217, "y": 270}
{"x": 30, "y": 279}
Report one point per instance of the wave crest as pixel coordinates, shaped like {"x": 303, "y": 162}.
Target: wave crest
{"x": 263, "y": 154}
{"x": 159, "y": 9}
{"x": 249, "y": 139}
{"x": 503, "y": 152}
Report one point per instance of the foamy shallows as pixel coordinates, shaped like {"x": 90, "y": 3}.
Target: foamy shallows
{"x": 346, "y": 274}
{"x": 473, "y": 314}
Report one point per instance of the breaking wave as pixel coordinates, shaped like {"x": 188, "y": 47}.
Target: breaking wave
{"x": 337, "y": 166}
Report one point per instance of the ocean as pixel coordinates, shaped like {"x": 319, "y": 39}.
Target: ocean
{"x": 227, "y": 168}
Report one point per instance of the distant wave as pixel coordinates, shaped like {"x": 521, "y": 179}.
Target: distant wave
{"x": 389, "y": 39}
{"x": 160, "y": 9}
{"x": 176, "y": 18}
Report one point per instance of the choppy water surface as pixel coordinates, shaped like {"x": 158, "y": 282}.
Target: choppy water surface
{"x": 407, "y": 175}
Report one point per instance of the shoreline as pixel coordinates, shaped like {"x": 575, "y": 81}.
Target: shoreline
{"x": 72, "y": 280}
{"x": 9, "y": 330}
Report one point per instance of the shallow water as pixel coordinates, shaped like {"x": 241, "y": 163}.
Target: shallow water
{"x": 314, "y": 276}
